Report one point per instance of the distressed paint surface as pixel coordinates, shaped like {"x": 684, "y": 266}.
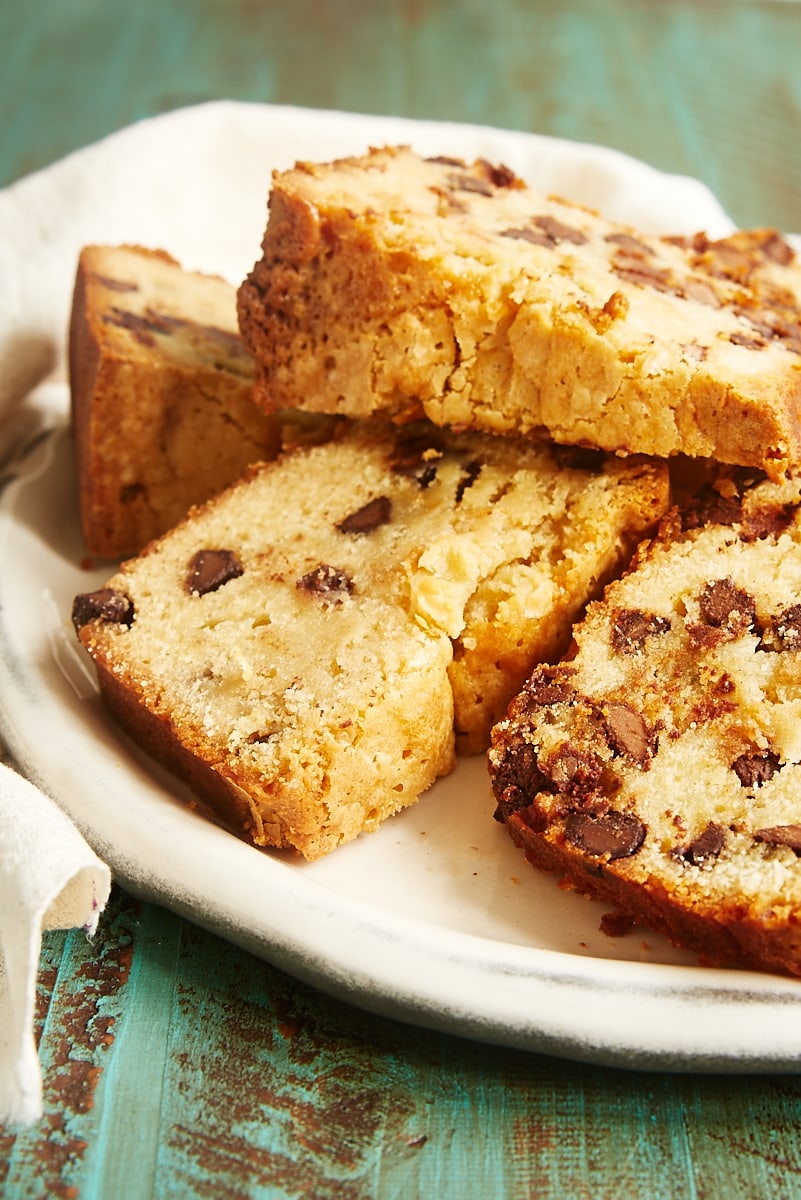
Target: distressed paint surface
{"x": 180, "y": 1066}
{"x": 81, "y": 987}
{"x": 177, "y": 1065}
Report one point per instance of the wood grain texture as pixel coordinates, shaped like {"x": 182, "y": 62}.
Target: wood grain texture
{"x": 180, "y": 1066}
{"x": 709, "y": 89}
{"x": 177, "y": 1065}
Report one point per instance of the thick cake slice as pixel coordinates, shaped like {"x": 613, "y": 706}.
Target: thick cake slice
{"x": 659, "y": 768}
{"x": 306, "y": 648}
{"x": 398, "y": 286}
{"x": 161, "y": 388}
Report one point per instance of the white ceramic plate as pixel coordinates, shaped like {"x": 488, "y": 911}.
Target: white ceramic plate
{"x": 436, "y": 918}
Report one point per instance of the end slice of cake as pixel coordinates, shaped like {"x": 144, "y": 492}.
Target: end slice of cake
{"x": 398, "y": 286}
{"x": 161, "y": 390}
{"x": 307, "y": 648}
{"x": 659, "y": 767}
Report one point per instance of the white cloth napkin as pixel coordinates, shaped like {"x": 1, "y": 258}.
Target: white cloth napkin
{"x": 49, "y": 879}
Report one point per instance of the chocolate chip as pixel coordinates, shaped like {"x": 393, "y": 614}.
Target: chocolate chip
{"x": 630, "y": 244}
{"x": 755, "y": 769}
{"x": 114, "y": 285}
{"x": 767, "y": 522}
{"x": 777, "y": 249}
{"x": 780, "y": 835}
{"x": 627, "y": 732}
{"x": 706, "y": 846}
{"x": 787, "y": 628}
{"x": 766, "y": 323}
{"x": 141, "y": 327}
{"x": 427, "y": 476}
{"x": 501, "y": 176}
{"x": 520, "y": 768}
{"x": 634, "y": 269}
{"x": 701, "y": 291}
{"x": 144, "y": 325}
{"x": 613, "y": 835}
{"x": 750, "y": 343}
{"x": 573, "y": 771}
{"x": 326, "y": 581}
{"x": 130, "y": 492}
{"x": 210, "y": 569}
{"x": 631, "y": 627}
{"x": 469, "y": 183}
{"x": 737, "y": 261}
{"x": 369, "y": 517}
{"x": 557, "y": 231}
{"x": 697, "y": 241}
{"x": 525, "y": 234}
{"x": 472, "y": 471}
{"x": 106, "y": 604}
{"x": 546, "y": 230}
{"x": 546, "y": 686}
{"x": 517, "y": 778}
{"x": 710, "y": 508}
{"x": 723, "y": 603}
{"x": 443, "y": 160}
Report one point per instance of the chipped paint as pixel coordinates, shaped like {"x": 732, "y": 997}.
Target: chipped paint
{"x": 78, "y": 995}
{"x": 179, "y": 1065}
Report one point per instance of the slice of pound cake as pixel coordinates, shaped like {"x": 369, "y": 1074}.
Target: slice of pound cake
{"x": 161, "y": 385}
{"x": 395, "y": 285}
{"x": 659, "y": 767}
{"x": 306, "y": 649}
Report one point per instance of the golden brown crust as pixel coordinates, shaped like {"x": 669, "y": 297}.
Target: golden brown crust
{"x": 395, "y": 286}
{"x": 154, "y": 734}
{"x": 729, "y": 937}
{"x": 161, "y": 386}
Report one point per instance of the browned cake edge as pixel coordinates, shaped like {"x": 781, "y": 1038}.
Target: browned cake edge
{"x": 758, "y": 426}
{"x": 733, "y": 938}
{"x": 120, "y": 515}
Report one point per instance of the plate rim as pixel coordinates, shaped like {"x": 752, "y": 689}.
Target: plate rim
{"x": 433, "y": 972}
{"x": 533, "y": 976}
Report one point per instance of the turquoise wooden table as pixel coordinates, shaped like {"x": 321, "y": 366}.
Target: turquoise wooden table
{"x": 177, "y": 1065}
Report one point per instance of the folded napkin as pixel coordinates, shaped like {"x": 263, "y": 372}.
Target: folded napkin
{"x": 49, "y": 879}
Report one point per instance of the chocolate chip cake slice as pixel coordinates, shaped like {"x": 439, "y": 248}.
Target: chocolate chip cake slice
{"x": 658, "y": 768}
{"x": 307, "y": 648}
{"x": 163, "y": 415}
{"x": 395, "y": 285}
